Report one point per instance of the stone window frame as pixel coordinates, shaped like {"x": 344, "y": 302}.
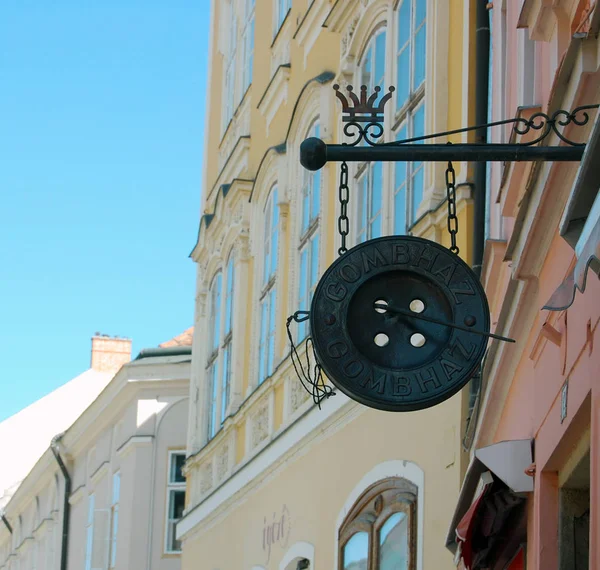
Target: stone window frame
{"x": 371, "y": 511}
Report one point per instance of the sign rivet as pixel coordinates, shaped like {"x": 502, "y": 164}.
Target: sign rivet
{"x": 470, "y": 320}
{"x": 329, "y": 319}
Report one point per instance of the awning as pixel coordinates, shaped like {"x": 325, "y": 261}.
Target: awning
{"x": 465, "y": 528}
{"x": 508, "y": 460}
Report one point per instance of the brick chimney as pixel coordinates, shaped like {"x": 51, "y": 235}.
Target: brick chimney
{"x": 110, "y": 353}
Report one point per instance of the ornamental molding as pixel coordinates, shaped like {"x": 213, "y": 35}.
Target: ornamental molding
{"x": 275, "y": 94}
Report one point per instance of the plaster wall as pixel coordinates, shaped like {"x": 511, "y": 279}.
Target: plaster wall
{"x": 320, "y": 480}
{"x": 523, "y": 395}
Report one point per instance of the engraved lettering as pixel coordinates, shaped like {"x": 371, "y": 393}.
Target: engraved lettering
{"x": 450, "y": 368}
{"x": 426, "y": 256}
{"x": 337, "y": 349}
{"x": 466, "y": 289}
{"x": 445, "y": 272}
{"x": 401, "y": 386}
{"x": 349, "y": 273}
{"x": 372, "y": 261}
{"x": 400, "y": 253}
{"x": 353, "y": 368}
{"x": 377, "y": 385}
{"x": 457, "y": 345}
{"x": 336, "y": 291}
{"x": 429, "y": 377}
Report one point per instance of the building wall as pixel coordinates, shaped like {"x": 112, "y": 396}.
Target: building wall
{"x": 129, "y": 429}
{"x": 318, "y": 44}
{"x": 540, "y": 66}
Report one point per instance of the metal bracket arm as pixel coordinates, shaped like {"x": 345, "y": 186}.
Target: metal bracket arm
{"x": 314, "y": 153}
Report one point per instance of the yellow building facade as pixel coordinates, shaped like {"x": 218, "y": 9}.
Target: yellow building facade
{"x": 274, "y": 481}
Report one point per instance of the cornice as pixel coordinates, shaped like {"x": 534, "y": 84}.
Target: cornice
{"x": 276, "y": 93}
{"x": 99, "y": 473}
{"x": 134, "y": 442}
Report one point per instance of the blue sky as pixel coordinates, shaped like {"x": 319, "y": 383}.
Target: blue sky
{"x": 101, "y": 141}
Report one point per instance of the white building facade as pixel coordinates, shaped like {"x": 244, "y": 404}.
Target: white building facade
{"x": 116, "y": 499}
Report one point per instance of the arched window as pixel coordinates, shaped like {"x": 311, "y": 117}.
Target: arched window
{"x": 268, "y": 294}
{"x": 379, "y": 532}
{"x": 220, "y": 338}
{"x": 370, "y": 175}
{"x": 309, "y": 236}
{"x": 213, "y": 359}
{"x": 228, "y": 335}
{"x": 410, "y": 95}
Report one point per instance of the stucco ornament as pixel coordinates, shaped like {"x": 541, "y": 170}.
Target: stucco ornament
{"x": 260, "y": 425}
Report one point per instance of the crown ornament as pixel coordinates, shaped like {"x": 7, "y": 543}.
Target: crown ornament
{"x": 363, "y": 109}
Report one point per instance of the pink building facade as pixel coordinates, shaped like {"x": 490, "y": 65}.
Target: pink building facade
{"x": 531, "y": 495}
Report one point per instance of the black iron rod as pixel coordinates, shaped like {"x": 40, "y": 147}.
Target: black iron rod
{"x": 314, "y": 153}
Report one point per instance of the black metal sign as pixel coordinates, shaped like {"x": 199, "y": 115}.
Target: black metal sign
{"x": 399, "y": 323}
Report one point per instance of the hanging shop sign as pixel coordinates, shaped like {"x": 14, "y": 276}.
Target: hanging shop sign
{"x": 401, "y": 323}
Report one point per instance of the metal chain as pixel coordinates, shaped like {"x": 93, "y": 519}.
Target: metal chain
{"x": 344, "y": 196}
{"x": 451, "y": 196}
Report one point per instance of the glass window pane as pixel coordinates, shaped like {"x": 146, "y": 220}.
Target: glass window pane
{"x": 116, "y": 487}
{"x": 417, "y": 192}
{"x": 380, "y": 60}
{"x": 316, "y": 194}
{"x": 400, "y": 211}
{"x": 262, "y": 374}
{"x": 376, "y": 227}
{"x": 306, "y": 204}
{"x": 420, "y": 11}
{"x": 403, "y": 81}
{"x": 314, "y": 262}
{"x": 225, "y": 381}
{"x": 419, "y": 122}
{"x": 377, "y": 188}
{"x": 403, "y": 23}
{"x": 420, "y": 49}
{"x": 365, "y": 78}
{"x": 393, "y": 543}
{"x": 356, "y": 552}
{"x": 303, "y": 278}
{"x": 362, "y": 202}
{"x": 216, "y": 311}
{"x": 177, "y": 462}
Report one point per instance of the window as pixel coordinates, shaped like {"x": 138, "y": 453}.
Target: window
{"x": 175, "y": 499}
{"x": 228, "y": 332}
{"x": 409, "y": 176}
{"x": 114, "y": 517}
{"x": 370, "y": 175}
{"x": 410, "y": 78}
{"x": 213, "y": 360}
{"x": 268, "y": 296}
{"x": 282, "y": 7}
{"x": 229, "y": 89}
{"x": 309, "y": 237}
{"x": 248, "y": 45}
{"x": 379, "y": 531}
{"x": 89, "y": 532}
{"x": 410, "y": 49}
{"x": 219, "y": 360}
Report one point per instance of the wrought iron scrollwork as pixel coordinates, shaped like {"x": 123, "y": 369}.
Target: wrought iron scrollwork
{"x": 363, "y": 119}
{"x": 540, "y": 121}
{"x": 549, "y": 124}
